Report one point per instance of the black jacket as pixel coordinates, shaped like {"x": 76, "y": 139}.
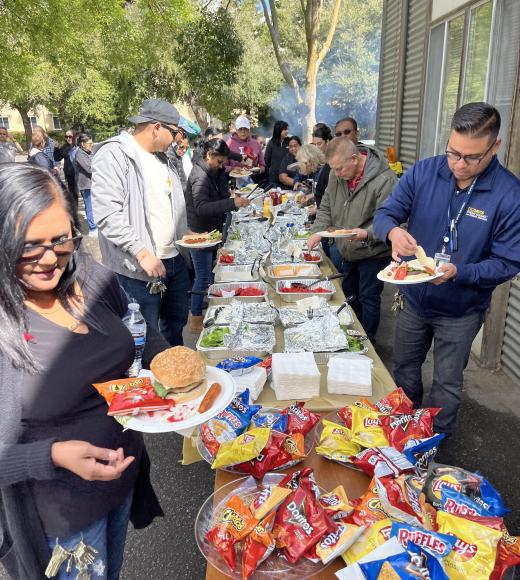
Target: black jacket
{"x": 274, "y": 155}
{"x": 207, "y": 198}
{"x": 63, "y": 152}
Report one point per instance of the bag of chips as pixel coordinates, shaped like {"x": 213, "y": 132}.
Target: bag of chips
{"x": 110, "y": 388}
{"x": 232, "y": 524}
{"x": 475, "y": 549}
{"x": 268, "y": 500}
{"x": 400, "y": 498}
{"x": 420, "y": 452}
{"x": 271, "y": 420}
{"x": 244, "y": 448}
{"x": 345, "y": 413}
{"x": 238, "y": 365}
{"x": 382, "y": 461}
{"x": 367, "y": 428}
{"x": 394, "y": 403}
{"x": 336, "y": 503}
{"x": 137, "y": 399}
{"x": 258, "y": 546}
{"x": 456, "y": 478}
{"x": 373, "y": 536}
{"x": 300, "y": 419}
{"x": 461, "y": 505}
{"x": 508, "y": 555}
{"x": 489, "y": 498}
{"x": 399, "y": 429}
{"x": 367, "y": 508}
{"x": 335, "y": 543}
{"x": 439, "y": 545}
{"x": 336, "y": 442}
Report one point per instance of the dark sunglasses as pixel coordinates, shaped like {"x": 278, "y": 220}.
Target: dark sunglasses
{"x": 69, "y": 136}
{"x": 344, "y": 133}
{"x": 174, "y": 132}
{"x": 31, "y": 254}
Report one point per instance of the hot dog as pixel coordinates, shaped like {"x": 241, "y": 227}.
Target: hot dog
{"x": 209, "y": 398}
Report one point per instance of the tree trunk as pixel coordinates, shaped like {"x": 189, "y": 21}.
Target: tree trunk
{"x": 24, "y": 113}
{"x": 310, "y": 98}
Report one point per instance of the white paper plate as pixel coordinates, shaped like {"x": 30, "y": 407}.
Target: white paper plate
{"x": 159, "y": 423}
{"x": 240, "y": 175}
{"x": 326, "y": 234}
{"x": 198, "y": 246}
{"x": 381, "y": 276}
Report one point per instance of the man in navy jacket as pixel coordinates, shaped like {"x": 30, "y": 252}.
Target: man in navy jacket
{"x": 463, "y": 208}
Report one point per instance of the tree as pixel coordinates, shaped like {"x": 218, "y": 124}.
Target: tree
{"x": 317, "y": 50}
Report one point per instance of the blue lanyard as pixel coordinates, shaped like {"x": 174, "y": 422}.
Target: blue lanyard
{"x": 451, "y": 233}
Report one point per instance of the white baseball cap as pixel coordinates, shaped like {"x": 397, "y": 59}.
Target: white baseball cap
{"x": 242, "y": 122}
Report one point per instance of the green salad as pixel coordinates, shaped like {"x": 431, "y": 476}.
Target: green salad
{"x": 214, "y": 337}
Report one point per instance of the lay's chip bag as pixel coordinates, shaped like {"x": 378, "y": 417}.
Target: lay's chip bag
{"x": 336, "y": 442}
{"x": 475, "y": 549}
{"x": 244, "y": 448}
{"x": 367, "y": 428}
{"x": 373, "y": 537}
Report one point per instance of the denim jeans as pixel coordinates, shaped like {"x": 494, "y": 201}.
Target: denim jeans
{"x": 167, "y": 313}
{"x": 107, "y": 536}
{"x": 203, "y": 266}
{"x": 87, "y": 200}
{"x": 452, "y": 338}
{"x": 361, "y": 281}
{"x": 331, "y": 249}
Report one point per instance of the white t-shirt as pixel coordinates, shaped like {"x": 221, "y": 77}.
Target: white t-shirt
{"x": 158, "y": 191}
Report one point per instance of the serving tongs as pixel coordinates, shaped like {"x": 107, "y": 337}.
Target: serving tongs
{"x": 251, "y": 197}
{"x": 212, "y": 319}
{"x": 318, "y": 280}
{"x": 345, "y": 303}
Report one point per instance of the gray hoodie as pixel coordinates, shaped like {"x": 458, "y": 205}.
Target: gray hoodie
{"x": 119, "y": 200}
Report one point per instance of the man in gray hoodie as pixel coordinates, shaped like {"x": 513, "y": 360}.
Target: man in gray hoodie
{"x": 139, "y": 209}
{"x": 360, "y": 180}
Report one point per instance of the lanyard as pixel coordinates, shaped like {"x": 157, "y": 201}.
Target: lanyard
{"x": 451, "y": 234}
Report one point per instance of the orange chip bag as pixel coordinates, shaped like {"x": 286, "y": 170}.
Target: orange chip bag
{"x": 258, "y": 546}
{"x": 508, "y": 555}
{"x": 295, "y": 445}
{"x": 367, "y": 508}
{"x": 110, "y": 388}
{"x": 475, "y": 550}
{"x": 336, "y": 503}
{"x": 244, "y": 448}
{"x": 377, "y": 534}
{"x": 232, "y": 524}
{"x": 367, "y": 428}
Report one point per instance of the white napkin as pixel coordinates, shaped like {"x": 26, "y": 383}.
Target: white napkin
{"x": 253, "y": 380}
{"x": 350, "y": 376}
{"x": 295, "y": 376}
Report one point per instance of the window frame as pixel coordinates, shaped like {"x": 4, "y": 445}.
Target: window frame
{"x": 59, "y": 126}
{"x": 31, "y": 117}
{"x": 5, "y": 123}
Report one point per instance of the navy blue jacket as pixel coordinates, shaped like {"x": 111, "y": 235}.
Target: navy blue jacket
{"x": 488, "y": 233}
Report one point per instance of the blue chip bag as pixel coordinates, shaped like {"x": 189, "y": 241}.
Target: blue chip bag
{"x": 275, "y": 421}
{"x": 238, "y": 365}
{"x": 420, "y": 452}
{"x": 456, "y": 503}
{"x": 489, "y": 498}
{"x": 439, "y": 545}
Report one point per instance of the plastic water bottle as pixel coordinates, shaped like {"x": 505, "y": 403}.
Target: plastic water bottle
{"x": 136, "y": 324}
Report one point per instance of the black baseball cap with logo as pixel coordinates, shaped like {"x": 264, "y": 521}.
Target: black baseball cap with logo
{"x": 156, "y": 111}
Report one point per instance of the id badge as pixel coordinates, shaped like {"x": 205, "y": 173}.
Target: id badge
{"x": 441, "y": 258}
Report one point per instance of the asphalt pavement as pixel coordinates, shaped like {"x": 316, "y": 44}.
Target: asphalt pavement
{"x": 486, "y": 439}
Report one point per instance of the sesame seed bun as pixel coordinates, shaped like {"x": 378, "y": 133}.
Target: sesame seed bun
{"x": 179, "y": 368}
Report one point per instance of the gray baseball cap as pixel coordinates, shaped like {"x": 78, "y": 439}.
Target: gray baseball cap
{"x": 158, "y": 111}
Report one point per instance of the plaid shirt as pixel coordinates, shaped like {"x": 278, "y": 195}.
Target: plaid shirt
{"x": 48, "y": 151}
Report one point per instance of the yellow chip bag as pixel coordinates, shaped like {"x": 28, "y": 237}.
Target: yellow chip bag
{"x": 336, "y": 502}
{"x": 475, "y": 550}
{"x": 244, "y": 448}
{"x": 377, "y": 534}
{"x": 366, "y": 428}
{"x": 336, "y": 442}
{"x": 268, "y": 499}
{"x": 335, "y": 543}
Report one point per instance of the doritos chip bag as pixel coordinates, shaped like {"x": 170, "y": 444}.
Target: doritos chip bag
{"x": 421, "y": 452}
{"x": 300, "y": 419}
{"x": 336, "y": 442}
{"x": 233, "y": 524}
{"x": 475, "y": 548}
{"x": 399, "y": 429}
{"x": 244, "y": 448}
{"x": 367, "y": 429}
{"x": 137, "y": 399}
{"x": 373, "y": 536}
{"x": 394, "y": 403}
{"x": 110, "y": 388}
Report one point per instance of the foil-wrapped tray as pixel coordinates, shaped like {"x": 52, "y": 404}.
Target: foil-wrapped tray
{"x": 253, "y": 340}
{"x": 239, "y": 273}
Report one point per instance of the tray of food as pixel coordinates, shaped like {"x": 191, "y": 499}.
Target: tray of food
{"x": 223, "y": 293}
{"x": 253, "y": 312}
{"x": 312, "y": 257}
{"x": 281, "y": 271}
{"x": 177, "y": 394}
{"x": 219, "y": 342}
{"x": 294, "y": 290}
{"x": 237, "y": 273}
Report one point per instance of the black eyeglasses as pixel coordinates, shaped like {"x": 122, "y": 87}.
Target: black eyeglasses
{"x": 31, "y": 254}
{"x": 69, "y": 136}
{"x": 344, "y": 133}
{"x": 468, "y": 159}
{"x": 174, "y": 132}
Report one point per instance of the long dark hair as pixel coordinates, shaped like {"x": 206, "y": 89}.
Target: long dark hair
{"x": 25, "y": 191}
{"x": 322, "y": 131}
{"x": 216, "y": 147}
{"x": 279, "y": 126}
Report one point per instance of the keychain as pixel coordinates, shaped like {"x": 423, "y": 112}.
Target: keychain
{"x": 398, "y": 303}
{"x": 156, "y": 286}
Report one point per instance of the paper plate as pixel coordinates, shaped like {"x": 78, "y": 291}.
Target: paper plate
{"x": 164, "y": 421}
{"x": 327, "y": 234}
{"x": 240, "y": 174}
{"x": 198, "y": 246}
{"x": 276, "y": 567}
{"x": 381, "y": 276}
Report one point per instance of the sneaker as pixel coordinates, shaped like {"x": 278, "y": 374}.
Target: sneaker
{"x": 93, "y": 234}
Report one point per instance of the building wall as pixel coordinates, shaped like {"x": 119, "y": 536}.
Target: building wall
{"x": 44, "y": 118}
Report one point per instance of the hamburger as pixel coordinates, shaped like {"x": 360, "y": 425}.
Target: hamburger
{"x": 180, "y": 374}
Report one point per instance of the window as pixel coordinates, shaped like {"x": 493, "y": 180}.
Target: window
{"x": 471, "y": 57}
{"x": 34, "y": 121}
{"x": 4, "y": 122}
{"x": 56, "y": 123}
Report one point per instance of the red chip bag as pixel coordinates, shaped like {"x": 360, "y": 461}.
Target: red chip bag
{"x": 400, "y": 498}
{"x": 508, "y": 555}
{"x": 300, "y": 522}
{"x": 382, "y": 461}
{"x": 233, "y": 524}
{"x": 395, "y": 403}
{"x": 258, "y": 546}
{"x": 269, "y": 457}
{"x": 109, "y": 389}
{"x": 300, "y": 419}
{"x": 138, "y": 399}
{"x": 293, "y": 480}
{"x": 399, "y": 429}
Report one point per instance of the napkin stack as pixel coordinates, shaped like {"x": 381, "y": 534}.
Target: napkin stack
{"x": 350, "y": 376}
{"x": 254, "y": 380}
{"x": 295, "y": 376}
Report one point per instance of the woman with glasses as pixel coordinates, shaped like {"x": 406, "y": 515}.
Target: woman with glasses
{"x": 70, "y": 477}
{"x": 84, "y": 178}
{"x": 207, "y": 201}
